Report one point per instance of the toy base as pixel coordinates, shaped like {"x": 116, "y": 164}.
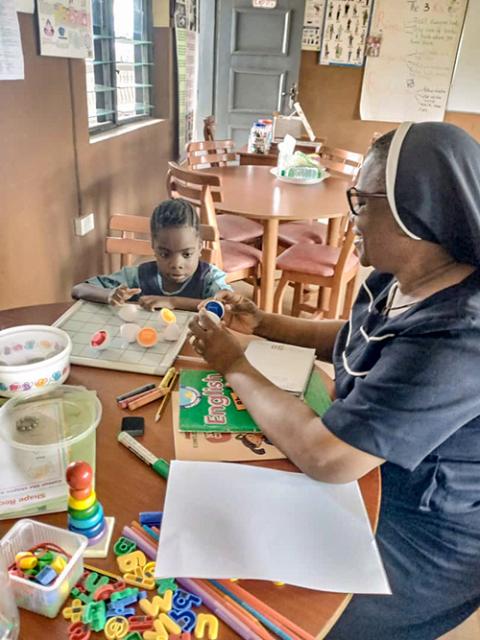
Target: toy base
{"x": 101, "y": 548}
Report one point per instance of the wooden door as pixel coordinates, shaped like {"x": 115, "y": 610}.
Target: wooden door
{"x": 257, "y": 63}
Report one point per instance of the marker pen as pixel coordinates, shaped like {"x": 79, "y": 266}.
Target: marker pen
{"x": 136, "y": 392}
{"x": 159, "y": 465}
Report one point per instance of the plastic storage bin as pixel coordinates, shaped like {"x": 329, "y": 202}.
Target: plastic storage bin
{"x": 9, "y": 620}
{"x": 30, "y": 595}
{"x": 39, "y": 436}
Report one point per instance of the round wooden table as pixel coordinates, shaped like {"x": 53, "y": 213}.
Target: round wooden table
{"x": 254, "y": 192}
{"x": 125, "y": 486}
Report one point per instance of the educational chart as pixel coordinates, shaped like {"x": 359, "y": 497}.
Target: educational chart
{"x": 345, "y": 32}
{"x": 465, "y": 90}
{"x": 186, "y": 45}
{"x": 410, "y": 77}
{"x": 85, "y": 319}
{"x": 312, "y": 24}
{"x": 65, "y": 28}
{"x": 11, "y": 55}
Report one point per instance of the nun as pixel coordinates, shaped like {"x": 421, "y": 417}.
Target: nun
{"x": 407, "y": 379}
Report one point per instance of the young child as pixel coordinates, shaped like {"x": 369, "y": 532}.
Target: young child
{"x": 176, "y": 279}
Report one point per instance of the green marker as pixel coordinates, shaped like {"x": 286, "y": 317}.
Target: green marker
{"x": 159, "y": 465}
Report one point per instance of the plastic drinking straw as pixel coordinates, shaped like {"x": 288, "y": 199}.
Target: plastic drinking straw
{"x": 263, "y": 619}
{"x": 219, "y": 609}
{"x": 265, "y": 609}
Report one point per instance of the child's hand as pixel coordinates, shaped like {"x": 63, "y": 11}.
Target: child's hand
{"x": 150, "y": 303}
{"x": 241, "y": 314}
{"x": 121, "y": 294}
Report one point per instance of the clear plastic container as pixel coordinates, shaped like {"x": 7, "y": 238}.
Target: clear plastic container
{"x": 9, "y": 621}
{"x": 39, "y": 437}
{"x": 30, "y": 595}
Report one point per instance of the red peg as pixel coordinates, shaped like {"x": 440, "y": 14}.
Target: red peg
{"x": 79, "y": 475}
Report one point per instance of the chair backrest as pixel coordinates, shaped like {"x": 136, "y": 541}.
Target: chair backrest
{"x": 202, "y": 190}
{"x": 211, "y": 153}
{"x": 134, "y": 238}
{"x": 341, "y": 161}
{"x": 346, "y": 244}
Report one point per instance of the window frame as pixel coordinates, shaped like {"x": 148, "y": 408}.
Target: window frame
{"x": 108, "y": 47}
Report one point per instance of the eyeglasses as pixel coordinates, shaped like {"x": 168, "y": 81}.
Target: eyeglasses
{"x": 356, "y": 199}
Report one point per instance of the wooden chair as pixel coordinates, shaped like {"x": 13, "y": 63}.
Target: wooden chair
{"x": 239, "y": 261}
{"x": 220, "y": 153}
{"x": 133, "y": 239}
{"x": 331, "y": 268}
{"x": 339, "y": 162}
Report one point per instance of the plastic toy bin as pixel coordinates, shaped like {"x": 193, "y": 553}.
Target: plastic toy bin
{"x": 30, "y": 595}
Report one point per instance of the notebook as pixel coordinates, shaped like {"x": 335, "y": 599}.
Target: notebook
{"x": 286, "y": 366}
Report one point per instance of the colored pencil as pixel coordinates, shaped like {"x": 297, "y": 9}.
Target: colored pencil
{"x": 260, "y": 616}
{"x": 102, "y": 572}
{"x": 266, "y": 610}
{"x": 167, "y": 378}
{"x": 164, "y": 400}
{"x": 219, "y": 609}
{"x": 189, "y": 360}
{"x": 146, "y": 398}
{"x": 123, "y": 404}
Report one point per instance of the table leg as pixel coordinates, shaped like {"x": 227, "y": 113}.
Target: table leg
{"x": 269, "y": 256}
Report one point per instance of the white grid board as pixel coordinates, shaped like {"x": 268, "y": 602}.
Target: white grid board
{"x": 84, "y": 319}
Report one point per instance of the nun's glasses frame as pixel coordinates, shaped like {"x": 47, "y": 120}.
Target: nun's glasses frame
{"x": 356, "y": 199}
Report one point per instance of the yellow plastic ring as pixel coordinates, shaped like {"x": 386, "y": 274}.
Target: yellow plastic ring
{"x": 81, "y": 505}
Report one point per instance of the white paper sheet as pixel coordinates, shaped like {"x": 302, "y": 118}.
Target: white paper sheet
{"x": 235, "y": 521}
{"x": 11, "y": 54}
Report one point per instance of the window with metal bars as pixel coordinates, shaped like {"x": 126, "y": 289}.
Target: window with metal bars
{"x": 119, "y": 86}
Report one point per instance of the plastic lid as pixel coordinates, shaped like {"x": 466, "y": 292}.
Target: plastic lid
{"x": 60, "y": 418}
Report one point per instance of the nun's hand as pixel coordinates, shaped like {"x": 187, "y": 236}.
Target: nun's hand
{"x": 214, "y": 342}
{"x": 241, "y": 314}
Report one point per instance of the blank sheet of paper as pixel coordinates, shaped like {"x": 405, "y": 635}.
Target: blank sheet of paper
{"x": 226, "y": 520}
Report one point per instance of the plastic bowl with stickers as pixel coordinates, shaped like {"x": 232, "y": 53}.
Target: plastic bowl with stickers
{"x": 33, "y": 358}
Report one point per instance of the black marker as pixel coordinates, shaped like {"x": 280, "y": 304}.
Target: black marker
{"x": 135, "y": 392}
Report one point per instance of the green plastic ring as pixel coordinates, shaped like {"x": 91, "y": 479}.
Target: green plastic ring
{"x": 84, "y": 515}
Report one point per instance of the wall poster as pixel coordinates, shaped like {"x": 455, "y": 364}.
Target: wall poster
{"x": 186, "y": 45}
{"x": 65, "y": 28}
{"x": 345, "y": 31}
{"x": 312, "y": 24}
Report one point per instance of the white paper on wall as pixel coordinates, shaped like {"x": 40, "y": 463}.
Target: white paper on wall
{"x": 11, "y": 54}
{"x": 410, "y": 77}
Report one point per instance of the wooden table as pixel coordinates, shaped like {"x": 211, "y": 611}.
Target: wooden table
{"x": 125, "y": 486}
{"x": 253, "y": 192}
